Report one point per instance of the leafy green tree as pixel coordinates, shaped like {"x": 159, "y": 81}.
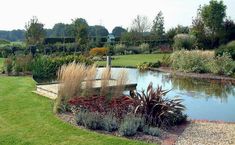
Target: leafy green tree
{"x": 171, "y": 33}
{"x": 118, "y": 31}
{"x": 61, "y": 30}
{"x": 80, "y": 31}
{"x": 158, "y": 28}
{"x": 213, "y": 16}
{"x": 97, "y": 30}
{"x": 228, "y": 32}
{"x": 199, "y": 30}
{"x": 35, "y": 32}
{"x": 98, "y": 35}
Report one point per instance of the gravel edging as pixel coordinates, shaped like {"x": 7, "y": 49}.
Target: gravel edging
{"x": 206, "y": 76}
{"x": 207, "y": 133}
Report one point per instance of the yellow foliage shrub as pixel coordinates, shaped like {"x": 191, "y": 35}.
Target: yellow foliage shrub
{"x": 98, "y": 51}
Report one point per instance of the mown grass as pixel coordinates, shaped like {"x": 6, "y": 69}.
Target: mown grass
{"x": 133, "y": 60}
{"x": 27, "y": 118}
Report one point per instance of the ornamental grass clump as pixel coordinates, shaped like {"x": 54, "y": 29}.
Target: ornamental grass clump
{"x": 70, "y": 76}
{"x": 91, "y": 72}
{"x": 120, "y": 84}
{"x": 105, "y": 77}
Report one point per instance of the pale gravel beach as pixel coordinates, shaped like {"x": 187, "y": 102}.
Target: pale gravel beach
{"x": 208, "y": 133}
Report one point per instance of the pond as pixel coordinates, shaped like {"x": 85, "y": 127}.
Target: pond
{"x": 204, "y": 100}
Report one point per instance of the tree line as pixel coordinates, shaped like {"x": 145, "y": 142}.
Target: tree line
{"x": 210, "y": 28}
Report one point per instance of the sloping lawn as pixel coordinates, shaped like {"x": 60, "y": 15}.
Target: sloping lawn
{"x": 133, "y": 60}
{"x": 27, "y": 118}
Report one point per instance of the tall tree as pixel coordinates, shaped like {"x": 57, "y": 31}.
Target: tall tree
{"x": 200, "y": 31}
{"x": 213, "y": 16}
{"x": 140, "y": 24}
{"x": 118, "y": 31}
{"x": 158, "y": 28}
{"x": 97, "y": 31}
{"x": 35, "y": 32}
{"x": 80, "y": 31}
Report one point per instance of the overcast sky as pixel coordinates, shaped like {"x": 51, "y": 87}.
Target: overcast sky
{"x": 110, "y": 13}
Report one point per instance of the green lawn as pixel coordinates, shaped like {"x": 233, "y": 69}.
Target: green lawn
{"x": 133, "y": 60}
{"x": 27, "y": 118}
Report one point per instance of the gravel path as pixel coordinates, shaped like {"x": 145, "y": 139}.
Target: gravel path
{"x": 208, "y": 133}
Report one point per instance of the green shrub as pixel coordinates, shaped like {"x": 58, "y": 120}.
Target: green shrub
{"x": 202, "y": 61}
{"x": 45, "y": 68}
{"x": 166, "y": 61}
{"x": 229, "y": 48}
{"x": 144, "y": 47}
{"x": 184, "y": 41}
{"x": 222, "y": 65}
{"x": 154, "y": 131}
{"x": 176, "y": 118}
{"x": 143, "y": 66}
{"x": 130, "y": 125}
{"x": 191, "y": 61}
{"x": 2, "y": 42}
{"x": 8, "y": 65}
{"x": 22, "y": 63}
{"x": 146, "y": 65}
{"x": 120, "y": 49}
{"x": 109, "y": 123}
{"x": 90, "y": 120}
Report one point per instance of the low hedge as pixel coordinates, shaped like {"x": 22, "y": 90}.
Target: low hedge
{"x": 44, "y": 68}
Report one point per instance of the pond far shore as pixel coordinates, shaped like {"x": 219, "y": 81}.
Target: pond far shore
{"x": 206, "y": 76}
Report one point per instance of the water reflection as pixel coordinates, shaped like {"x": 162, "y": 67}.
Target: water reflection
{"x": 202, "y": 88}
{"x": 203, "y": 99}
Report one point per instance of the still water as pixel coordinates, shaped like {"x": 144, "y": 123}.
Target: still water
{"x": 203, "y": 100}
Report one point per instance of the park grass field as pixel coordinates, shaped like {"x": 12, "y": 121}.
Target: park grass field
{"x": 27, "y": 119}
{"x": 132, "y": 60}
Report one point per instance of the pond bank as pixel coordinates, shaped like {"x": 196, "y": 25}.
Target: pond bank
{"x": 206, "y": 76}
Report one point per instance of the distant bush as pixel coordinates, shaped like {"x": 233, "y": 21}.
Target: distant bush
{"x": 133, "y": 50}
{"x": 58, "y": 40}
{"x": 202, "y": 61}
{"x": 120, "y": 48}
{"x": 22, "y": 63}
{"x": 2, "y": 41}
{"x": 17, "y": 64}
{"x": 184, "y": 41}
{"x": 144, "y": 47}
{"x": 222, "y": 65}
{"x": 146, "y": 65}
{"x": 8, "y": 65}
{"x": 191, "y": 61}
{"x": 229, "y": 48}
{"x": 98, "y": 51}
{"x": 45, "y": 68}
{"x": 166, "y": 61}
